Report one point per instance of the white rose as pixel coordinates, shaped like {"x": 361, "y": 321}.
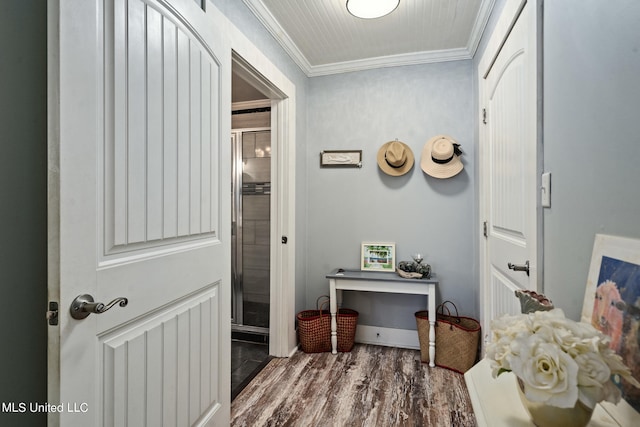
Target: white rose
{"x": 593, "y": 370}
{"x": 498, "y": 352}
{"x": 593, "y": 374}
{"x": 549, "y": 374}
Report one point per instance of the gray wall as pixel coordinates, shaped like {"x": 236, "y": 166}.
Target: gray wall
{"x": 363, "y": 110}
{"x": 591, "y": 135}
{"x": 23, "y": 207}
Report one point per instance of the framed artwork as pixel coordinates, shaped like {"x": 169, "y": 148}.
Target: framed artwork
{"x": 378, "y": 256}
{"x": 612, "y": 305}
{"x": 341, "y": 158}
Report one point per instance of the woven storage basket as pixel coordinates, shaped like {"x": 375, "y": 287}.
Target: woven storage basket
{"x": 347, "y": 322}
{"x": 457, "y": 339}
{"x": 314, "y": 330}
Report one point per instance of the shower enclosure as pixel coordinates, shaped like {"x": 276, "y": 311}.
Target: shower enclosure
{"x": 250, "y": 267}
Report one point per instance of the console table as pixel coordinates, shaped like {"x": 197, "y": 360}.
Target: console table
{"x": 374, "y": 281}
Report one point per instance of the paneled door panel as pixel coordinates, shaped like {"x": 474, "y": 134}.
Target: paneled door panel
{"x": 144, "y": 103}
{"x": 161, "y": 370}
{"x": 161, "y": 181}
{"x": 509, "y": 160}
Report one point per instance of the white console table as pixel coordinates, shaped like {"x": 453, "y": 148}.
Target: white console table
{"x": 496, "y": 401}
{"x": 374, "y": 281}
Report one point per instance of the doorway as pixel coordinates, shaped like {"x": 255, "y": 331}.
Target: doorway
{"x": 251, "y": 232}
{"x": 280, "y": 93}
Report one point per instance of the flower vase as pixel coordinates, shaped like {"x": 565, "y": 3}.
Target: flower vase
{"x": 544, "y": 415}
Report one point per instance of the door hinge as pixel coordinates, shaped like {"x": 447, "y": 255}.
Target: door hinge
{"x": 52, "y": 313}
{"x": 484, "y": 229}
{"x": 484, "y": 116}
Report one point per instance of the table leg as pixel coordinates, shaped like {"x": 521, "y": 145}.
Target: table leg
{"x": 432, "y": 325}
{"x": 432, "y": 342}
{"x": 333, "y": 309}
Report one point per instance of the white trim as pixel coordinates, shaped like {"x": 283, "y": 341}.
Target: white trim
{"x": 263, "y": 14}
{"x": 389, "y": 337}
{"x": 282, "y": 334}
{"x": 507, "y": 20}
{"x": 389, "y": 61}
{"x": 479, "y": 26}
{"x": 258, "y": 8}
{"x": 53, "y": 201}
{"x": 295, "y": 349}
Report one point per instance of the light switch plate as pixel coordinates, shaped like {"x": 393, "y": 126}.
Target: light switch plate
{"x": 545, "y": 190}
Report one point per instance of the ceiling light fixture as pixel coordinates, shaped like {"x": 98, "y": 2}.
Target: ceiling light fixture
{"x": 369, "y": 9}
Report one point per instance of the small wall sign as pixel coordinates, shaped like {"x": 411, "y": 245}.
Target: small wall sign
{"x": 341, "y": 158}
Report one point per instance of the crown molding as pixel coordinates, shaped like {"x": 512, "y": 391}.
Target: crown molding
{"x": 273, "y": 26}
{"x": 486, "y": 7}
{"x": 267, "y": 19}
{"x": 413, "y": 58}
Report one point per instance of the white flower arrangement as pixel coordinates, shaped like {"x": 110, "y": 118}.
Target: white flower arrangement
{"x": 559, "y": 361}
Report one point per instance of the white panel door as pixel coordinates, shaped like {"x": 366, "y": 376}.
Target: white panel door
{"x": 140, "y": 208}
{"x": 509, "y": 160}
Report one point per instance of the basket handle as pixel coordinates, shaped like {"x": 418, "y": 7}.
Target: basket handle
{"x": 320, "y": 304}
{"x": 324, "y": 303}
{"x": 443, "y": 306}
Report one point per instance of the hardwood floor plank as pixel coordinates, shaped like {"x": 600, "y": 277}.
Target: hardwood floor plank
{"x": 370, "y": 386}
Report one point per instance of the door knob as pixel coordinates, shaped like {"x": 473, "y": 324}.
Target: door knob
{"x": 516, "y": 267}
{"x": 84, "y": 305}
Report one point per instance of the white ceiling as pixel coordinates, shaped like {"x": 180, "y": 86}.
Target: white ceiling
{"x": 323, "y": 38}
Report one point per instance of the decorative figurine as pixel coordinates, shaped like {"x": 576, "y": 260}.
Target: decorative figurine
{"x": 415, "y": 269}
{"x": 531, "y": 301}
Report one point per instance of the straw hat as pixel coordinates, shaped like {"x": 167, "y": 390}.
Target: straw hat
{"x": 441, "y": 157}
{"x": 395, "y": 158}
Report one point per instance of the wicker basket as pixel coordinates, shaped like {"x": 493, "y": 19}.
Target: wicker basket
{"x": 457, "y": 339}
{"x": 314, "y": 330}
{"x": 347, "y": 322}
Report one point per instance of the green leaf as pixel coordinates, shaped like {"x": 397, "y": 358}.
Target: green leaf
{"x": 502, "y": 371}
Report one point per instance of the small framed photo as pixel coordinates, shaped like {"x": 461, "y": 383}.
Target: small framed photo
{"x": 341, "y": 158}
{"x": 375, "y": 256}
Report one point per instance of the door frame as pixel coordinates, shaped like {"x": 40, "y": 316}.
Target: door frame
{"x": 258, "y": 70}
{"x": 503, "y": 27}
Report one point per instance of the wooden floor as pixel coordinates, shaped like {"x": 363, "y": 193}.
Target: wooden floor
{"x": 370, "y": 386}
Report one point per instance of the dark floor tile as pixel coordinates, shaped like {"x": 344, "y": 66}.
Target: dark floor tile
{"x": 247, "y": 359}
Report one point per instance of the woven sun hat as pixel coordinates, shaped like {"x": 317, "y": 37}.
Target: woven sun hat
{"x": 441, "y": 157}
{"x": 395, "y": 158}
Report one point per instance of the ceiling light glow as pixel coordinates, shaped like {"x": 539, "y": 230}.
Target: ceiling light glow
{"x": 369, "y": 9}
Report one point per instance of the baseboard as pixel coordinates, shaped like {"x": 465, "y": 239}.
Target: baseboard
{"x": 389, "y": 337}
{"x": 295, "y": 349}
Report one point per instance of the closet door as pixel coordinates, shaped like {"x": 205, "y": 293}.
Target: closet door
{"x": 510, "y": 153}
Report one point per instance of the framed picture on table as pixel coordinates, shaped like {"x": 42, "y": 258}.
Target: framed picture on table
{"x": 375, "y": 256}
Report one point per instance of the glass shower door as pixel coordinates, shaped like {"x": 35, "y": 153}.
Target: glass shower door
{"x": 251, "y": 231}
